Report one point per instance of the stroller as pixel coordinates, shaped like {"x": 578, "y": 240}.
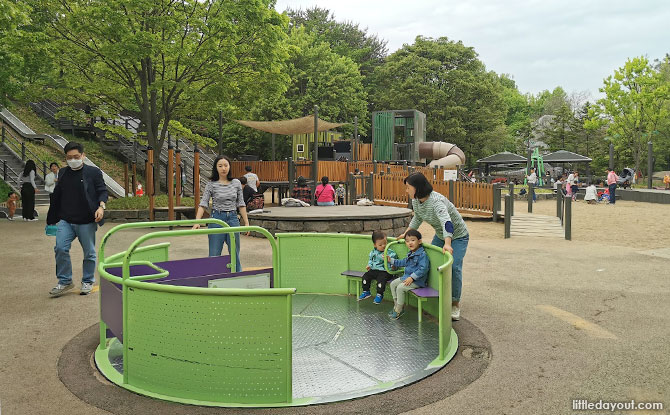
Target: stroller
{"x": 626, "y": 178}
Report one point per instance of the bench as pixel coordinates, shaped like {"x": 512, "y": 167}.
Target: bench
{"x": 422, "y": 294}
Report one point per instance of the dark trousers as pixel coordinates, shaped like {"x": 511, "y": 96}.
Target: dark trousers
{"x": 612, "y": 193}
{"x": 28, "y": 201}
{"x": 382, "y": 278}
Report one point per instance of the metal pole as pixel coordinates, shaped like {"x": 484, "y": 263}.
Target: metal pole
{"x": 3, "y": 133}
{"x": 23, "y": 151}
{"x": 4, "y": 170}
{"x": 611, "y": 156}
{"x": 568, "y": 218}
{"x": 125, "y": 179}
{"x": 508, "y": 216}
{"x": 315, "y": 152}
{"x": 150, "y": 181}
{"x": 559, "y": 200}
{"x": 531, "y": 189}
{"x": 496, "y": 201}
{"x": 511, "y": 193}
{"x": 169, "y": 171}
{"x": 355, "y": 143}
{"x": 134, "y": 181}
{"x": 291, "y": 176}
{"x": 196, "y": 174}
{"x": 650, "y": 164}
{"x": 179, "y": 173}
{"x": 220, "y": 132}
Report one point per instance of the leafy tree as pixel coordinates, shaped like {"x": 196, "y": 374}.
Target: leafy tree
{"x": 636, "y": 102}
{"x": 12, "y": 16}
{"x": 345, "y": 38}
{"x": 444, "y": 79}
{"x": 156, "y": 58}
{"x": 560, "y": 134}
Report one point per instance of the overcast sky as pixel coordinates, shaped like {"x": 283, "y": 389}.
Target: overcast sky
{"x": 542, "y": 44}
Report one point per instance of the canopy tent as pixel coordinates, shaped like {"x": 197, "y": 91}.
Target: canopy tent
{"x": 503, "y": 158}
{"x": 304, "y": 125}
{"x": 563, "y": 156}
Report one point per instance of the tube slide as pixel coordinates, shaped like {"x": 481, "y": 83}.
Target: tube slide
{"x": 444, "y": 155}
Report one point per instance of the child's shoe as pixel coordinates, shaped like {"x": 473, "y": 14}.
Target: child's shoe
{"x": 364, "y": 295}
{"x": 395, "y": 315}
{"x": 455, "y": 313}
{"x": 378, "y": 299}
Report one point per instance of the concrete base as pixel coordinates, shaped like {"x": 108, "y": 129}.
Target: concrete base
{"x": 349, "y": 219}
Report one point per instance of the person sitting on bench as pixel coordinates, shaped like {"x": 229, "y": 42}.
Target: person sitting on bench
{"x": 416, "y": 266}
{"x": 375, "y": 268}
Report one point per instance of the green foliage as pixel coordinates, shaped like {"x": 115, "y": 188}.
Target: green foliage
{"x": 463, "y": 102}
{"x": 132, "y": 203}
{"x": 157, "y": 59}
{"x": 637, "y": 105}
{"x": 4, "y": 190}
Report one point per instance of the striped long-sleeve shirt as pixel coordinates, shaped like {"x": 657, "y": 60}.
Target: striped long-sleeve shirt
{"x": 441, "y": 214}
{"x": 225, "y": 197}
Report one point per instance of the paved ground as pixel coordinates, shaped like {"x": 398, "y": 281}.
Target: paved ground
{"x": 565, "y": 320}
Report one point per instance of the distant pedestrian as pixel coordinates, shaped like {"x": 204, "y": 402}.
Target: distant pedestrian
{"x": 340, "y": 193}
{"x": 252, "y": 179}
{"x": 532, "y": 182}
{"x": 612, "y": 179}
{"x": 28, "y": 190}
{"x": 666, "y": 180}
{"x": 51, "y": 179}
{"x": 574, "y": 185}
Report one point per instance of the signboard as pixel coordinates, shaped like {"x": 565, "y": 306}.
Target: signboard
{"x": 244, "y": 281}
{"x": 450, "y": 175}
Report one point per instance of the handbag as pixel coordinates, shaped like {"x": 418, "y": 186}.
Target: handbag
{"x": 257, "y": 202}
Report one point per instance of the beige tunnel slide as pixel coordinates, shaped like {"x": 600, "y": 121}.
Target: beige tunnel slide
{"x": 444, "y": 155}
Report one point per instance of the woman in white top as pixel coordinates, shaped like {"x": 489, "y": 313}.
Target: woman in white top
{"x": 225, "y": 192}
{"x": 28, "y": 190}
{"x": 51, "y": 179}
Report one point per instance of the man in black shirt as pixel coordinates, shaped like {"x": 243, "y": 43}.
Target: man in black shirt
{"x": 77, "y": 207}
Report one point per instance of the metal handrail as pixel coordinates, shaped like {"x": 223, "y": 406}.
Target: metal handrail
{"x": 19, "y": 147}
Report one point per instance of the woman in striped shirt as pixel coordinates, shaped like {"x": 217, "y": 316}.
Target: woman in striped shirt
{"x": 225, "y": 193}
{"x": 451, "y": 234}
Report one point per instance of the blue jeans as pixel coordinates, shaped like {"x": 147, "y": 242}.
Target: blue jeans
{"x": 216, "y": 241}
{"x": 331, "y": 203}
{"x": 612, "y": 188}
{"x": 460, "y": 246}
{"x": 65, "y": 234}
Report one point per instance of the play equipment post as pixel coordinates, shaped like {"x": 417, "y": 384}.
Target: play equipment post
{"x": 134, "y": 177}
{"x": 531, "y": 189}
{"x": 315, "y": 152}
{"x": 511, "y": 206}
{"x": 559, "y": 204}
{"x": 125, "y": 178}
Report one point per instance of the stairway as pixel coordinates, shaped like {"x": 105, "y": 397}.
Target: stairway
{"x": 14, "y": 171}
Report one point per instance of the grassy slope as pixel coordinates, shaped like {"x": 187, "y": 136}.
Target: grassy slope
{"x": 49, "y": 152}
{"x": 143, "y": 202}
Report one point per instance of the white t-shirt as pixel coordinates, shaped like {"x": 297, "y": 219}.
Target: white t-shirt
{"x": 591, "y": 193}
{"x": 251, "y": 181}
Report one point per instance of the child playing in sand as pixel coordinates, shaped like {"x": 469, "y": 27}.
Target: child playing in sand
{"x": 12, "y": 200}
{"x": 416, "y": 266}
{"x": 375, "y": 268}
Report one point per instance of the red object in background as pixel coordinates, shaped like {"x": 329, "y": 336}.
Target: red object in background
{"x": 139, "y": 191}
{"x": 499, "y": 180}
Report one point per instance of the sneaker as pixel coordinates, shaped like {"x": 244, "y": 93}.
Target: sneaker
{"x": 33, "y": 219}
{"x": 85, "y": 288}
{"x": 10, "y": 218}
{"x": 378, "y": 299}
{"x": 395, "y": 315}
{"x": 59, "y": 289}
{"x": 455, "y": 313}
{"x": 364, "y": 295}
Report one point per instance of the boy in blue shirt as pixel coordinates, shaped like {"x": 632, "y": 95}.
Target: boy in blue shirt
{"x": 416, "y": 266}
{"x": 375, "y": 268}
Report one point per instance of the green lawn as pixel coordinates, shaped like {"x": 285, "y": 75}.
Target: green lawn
{"x": 132, "y": 203}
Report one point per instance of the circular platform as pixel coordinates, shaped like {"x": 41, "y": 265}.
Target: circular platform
{"x": 345, "y": 349}
{"x": 347, "y": 219}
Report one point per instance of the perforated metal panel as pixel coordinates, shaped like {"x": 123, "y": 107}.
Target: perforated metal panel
{"x": 313, "y": 262}
{"x": 210, "y": 348}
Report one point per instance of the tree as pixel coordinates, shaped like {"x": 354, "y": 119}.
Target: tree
{"x": 636, "y": 102}
{"x": 155, "y": 58}
{"x": 560, "y": 133}
{"x": 444, "y": 79}
{"x": 12, "y": 16}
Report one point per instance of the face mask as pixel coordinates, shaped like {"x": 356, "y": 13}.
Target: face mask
{"x": 75, "y": 164}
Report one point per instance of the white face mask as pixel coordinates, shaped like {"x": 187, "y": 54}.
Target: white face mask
{"x": 75, "y": 164}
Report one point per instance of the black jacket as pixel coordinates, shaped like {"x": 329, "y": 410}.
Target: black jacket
{"x": 94, "y": 188}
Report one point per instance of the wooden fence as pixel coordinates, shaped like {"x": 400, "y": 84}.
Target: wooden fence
{"x": 472, "y": 199}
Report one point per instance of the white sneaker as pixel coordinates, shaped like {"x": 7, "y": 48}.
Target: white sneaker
{"x": 85, "y": 288}
{"x": 59, "y": 289}
{"x": 455, "y": 313}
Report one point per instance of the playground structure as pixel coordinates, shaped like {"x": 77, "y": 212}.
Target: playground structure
{"x": 537, "y": 163}
{"x": 166, "y": 334}
{"x": 444, "y": 155}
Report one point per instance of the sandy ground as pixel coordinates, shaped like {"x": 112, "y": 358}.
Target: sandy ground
{"x": 596, "y": 327}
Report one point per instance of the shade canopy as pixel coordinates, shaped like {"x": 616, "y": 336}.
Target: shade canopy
{"x": 503, "y": 158}
{"x": 304, "y": 125}
{"x": 563, "y": 156}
